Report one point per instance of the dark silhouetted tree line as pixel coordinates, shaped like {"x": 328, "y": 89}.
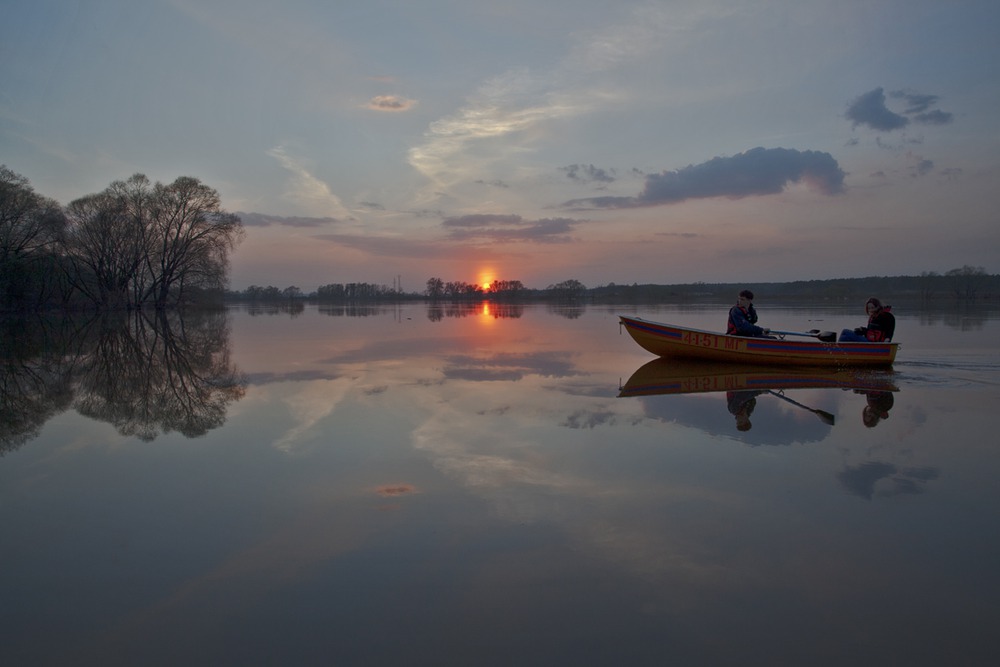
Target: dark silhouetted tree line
{"x": 133, "y": 244}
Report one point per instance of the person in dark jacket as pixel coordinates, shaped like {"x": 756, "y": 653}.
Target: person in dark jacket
{"x": 881, "y": 325}
{"x": 743, "y": 318}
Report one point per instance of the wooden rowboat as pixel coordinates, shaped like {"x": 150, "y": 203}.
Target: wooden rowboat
{"x": 667, "y": 340}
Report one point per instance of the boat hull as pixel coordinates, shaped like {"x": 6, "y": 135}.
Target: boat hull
{"x": 666, "y": 340}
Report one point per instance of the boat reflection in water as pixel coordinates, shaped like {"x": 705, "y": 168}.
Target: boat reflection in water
{"x": 744, "y": 384}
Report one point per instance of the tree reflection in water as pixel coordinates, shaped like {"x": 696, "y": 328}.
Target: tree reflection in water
{"x": 145, "y": 373}
{"x": 35, "y": 379}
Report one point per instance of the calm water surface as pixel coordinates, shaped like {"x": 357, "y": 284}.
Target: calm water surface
{"x": 481, "y": 486}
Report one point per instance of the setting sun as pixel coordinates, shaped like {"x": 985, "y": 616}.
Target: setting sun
{"x": 486, "y": 279}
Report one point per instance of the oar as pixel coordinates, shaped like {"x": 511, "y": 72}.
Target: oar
{"x": 824, "y": 336}
{"x": 822, "y": 414}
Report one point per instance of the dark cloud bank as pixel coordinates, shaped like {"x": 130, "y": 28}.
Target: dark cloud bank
{"x": 870, "y": 110}
{"x": 756, "y": 172}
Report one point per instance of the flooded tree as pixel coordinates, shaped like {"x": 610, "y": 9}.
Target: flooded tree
{"x": 966, "y": 281}
{"x": 137, "y": 243}
{"x": 31, "y": 228}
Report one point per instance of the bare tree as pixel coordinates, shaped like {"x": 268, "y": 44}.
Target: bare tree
{"x": 108, "y": 243}
{"x": 138, "y": 243}
{"x": 435, "y": 288}
{"x": 31, "y": 229}
{"x": 190, "y": 238}
{"x": 966, "y": 281}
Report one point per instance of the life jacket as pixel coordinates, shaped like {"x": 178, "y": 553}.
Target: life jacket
{"x": 730, "y": 325}
{"x": 877, "y": 335}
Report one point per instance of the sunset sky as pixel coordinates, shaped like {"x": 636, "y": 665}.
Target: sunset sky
{"x": 532, "y": 140}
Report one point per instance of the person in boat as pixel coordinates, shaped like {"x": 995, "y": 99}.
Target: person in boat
{"x": 743, "y": 318}
{"x": 881, "y": 325}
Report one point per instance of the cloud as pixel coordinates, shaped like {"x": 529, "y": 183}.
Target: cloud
{"x": 496, "y": 183}
{"x": 265, "y": 220}
{"x": 505, "y": 116}
{"x": 921, "y": 166}
{"x": 515, "y": 102}
{"x": 757, "y": 172}
{"x": 509, "y": 228}
{"x": 586, "y": 173}
{"x": 935, "y": 117}
{"x": 305, "y": 190}
{"x": 917, "y": 103}
{"x": 870, "y": 110}
{"x": 394, "y": 246}
{"x": 390, "y": 103}
{"x": 483, "y": 220}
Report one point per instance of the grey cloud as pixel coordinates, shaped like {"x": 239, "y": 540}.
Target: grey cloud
{"x": 482, "y": 220}
{"x": 390, "y": 246}
{"x": 510, "y": 228}
{"x": 917, "y": 103}
{"x": 935, "y": 117}
{"x": 922, "y": 167}
{"x": 759, "y": 171}
{"x": 494, "y": 184}
{"x": 264, "y": 220}
{"x": 586, "y": 173}
{"x": 870, "y": 109}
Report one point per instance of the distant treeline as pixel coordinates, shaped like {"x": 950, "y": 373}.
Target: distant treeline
{"x": 965, "y": 284}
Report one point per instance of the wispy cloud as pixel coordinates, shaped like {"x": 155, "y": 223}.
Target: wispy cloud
{"x": 508, "y": 104}
{"x": 394, "y": 246}
{"x": 505, "y": 115}
{"x": 265, "y": 220}
{"x": 509, "y": 229}
{"x": 305, "y": 191}
{"x": 757, "y": 172}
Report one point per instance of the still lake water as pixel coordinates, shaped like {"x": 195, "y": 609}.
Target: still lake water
{"x": 467, "y": 486}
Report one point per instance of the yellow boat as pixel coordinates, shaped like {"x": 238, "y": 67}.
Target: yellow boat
{"x": 668, "y": 340}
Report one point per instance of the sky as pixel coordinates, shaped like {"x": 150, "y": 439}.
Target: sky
{"x": 534, "y": 140}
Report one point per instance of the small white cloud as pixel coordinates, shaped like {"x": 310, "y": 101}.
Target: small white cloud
{"x": 390, "y": 103}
